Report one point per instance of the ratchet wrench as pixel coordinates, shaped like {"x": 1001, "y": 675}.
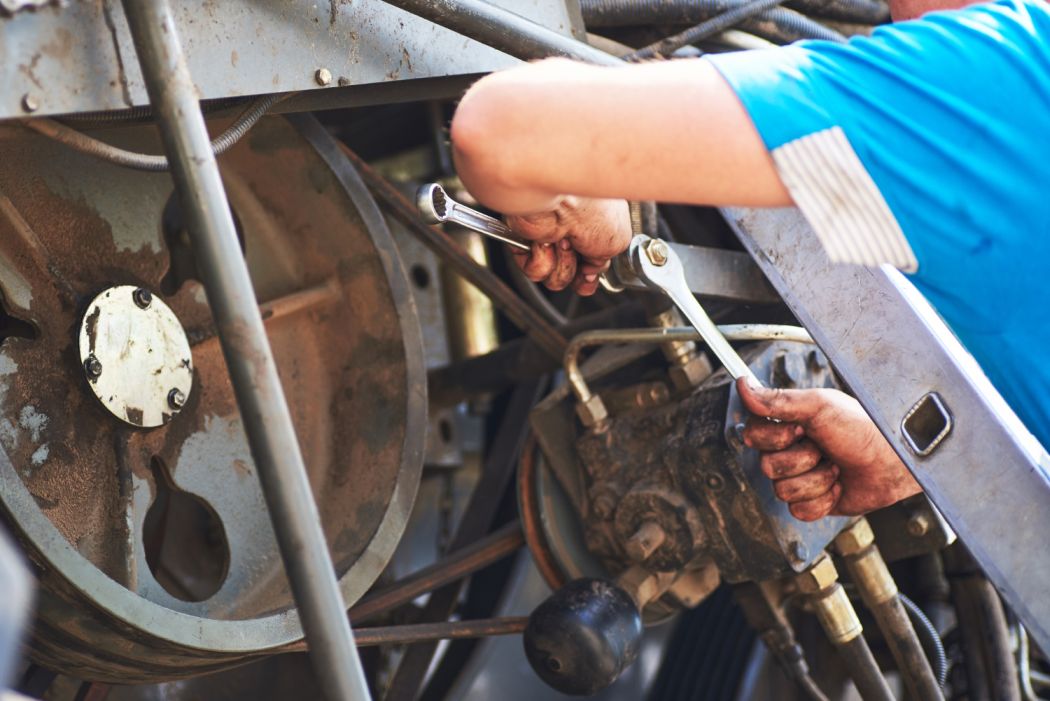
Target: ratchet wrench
{"x": 651, "y": 260}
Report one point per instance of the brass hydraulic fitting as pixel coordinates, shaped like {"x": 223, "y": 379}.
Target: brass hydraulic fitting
{"x": 592, "y": 412}
{"x": 819, "y": 576}
{"x": 855, "y": 538}
{"x": 857, "y": 545}
{"x": 831, "y": 604}
{"x": 688, "y": 367}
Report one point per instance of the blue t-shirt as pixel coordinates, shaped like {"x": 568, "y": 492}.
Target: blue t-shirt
{"x": 927, "y": 146}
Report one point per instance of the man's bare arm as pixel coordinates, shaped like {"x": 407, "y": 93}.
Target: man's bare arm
{"x": 671, "y": 131}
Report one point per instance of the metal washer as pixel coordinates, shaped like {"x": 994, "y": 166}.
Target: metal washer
{"x": 135, "y": 356}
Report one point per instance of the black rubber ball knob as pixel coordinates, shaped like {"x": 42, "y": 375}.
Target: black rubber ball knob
{"x": 584, "y": 636}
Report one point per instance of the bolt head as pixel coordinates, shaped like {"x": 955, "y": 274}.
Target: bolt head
{"x": 657, "y": 252}
{"x": 918, "y": 525}
{"x": 344, "y": 81}
{"x": 30, "y": 103}
{"x": 714, "y": 481}
{"x": 143, "y": 298}
{"x": 176, "y": 399}
{"x": 855, "y": 537}
{"x": 93, "y": 367}
{"x": 798, "y": 552}
{"x": 323, "y": 76}
{"x": 819, "y": 576}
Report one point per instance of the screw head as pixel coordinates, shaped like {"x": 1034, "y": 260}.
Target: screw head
{"x": 714, "y": 481}
{"x": 657, "y": 252}
{"x": 30, "y": 103}
{"x": 93, "y": 367}
{"x": 176, "y": 399}
{"x": 143, "y": 298}
{"x": 323, "y": 76}
{"x": 918, "y": 525}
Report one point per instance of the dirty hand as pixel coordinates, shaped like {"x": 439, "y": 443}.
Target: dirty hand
{"x": 573, "y": 243}
{"x": 825, "y": 456}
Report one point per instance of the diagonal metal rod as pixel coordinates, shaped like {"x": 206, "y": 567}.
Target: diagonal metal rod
{"x": 253, "y": 373}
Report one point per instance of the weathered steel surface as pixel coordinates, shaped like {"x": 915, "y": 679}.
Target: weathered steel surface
{"x": 343, "y": 329}
{"x": 78, "y": 56}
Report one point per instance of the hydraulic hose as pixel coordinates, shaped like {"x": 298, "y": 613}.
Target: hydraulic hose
{"x": 91, "y": 146}
{"x": 778, "y": 24}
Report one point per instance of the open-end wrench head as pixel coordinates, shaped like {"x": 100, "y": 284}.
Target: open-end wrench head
{"x": 432, "y": 203}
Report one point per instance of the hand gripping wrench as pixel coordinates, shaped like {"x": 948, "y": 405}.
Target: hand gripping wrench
{"x": 651, "y": 260}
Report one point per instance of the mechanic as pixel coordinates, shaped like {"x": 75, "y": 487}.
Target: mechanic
{"x": 923, "y": 146}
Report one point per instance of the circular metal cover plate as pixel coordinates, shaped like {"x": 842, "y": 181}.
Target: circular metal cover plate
{"x": 135, "y": 356}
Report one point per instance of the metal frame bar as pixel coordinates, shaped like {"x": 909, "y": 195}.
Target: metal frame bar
{"x": 253, "y": 373}
{"x": 891, "y": 350}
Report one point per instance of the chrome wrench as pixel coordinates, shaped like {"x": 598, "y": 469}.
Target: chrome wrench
{"x": 660, "y": 268}
{"x": 437, "y": 207}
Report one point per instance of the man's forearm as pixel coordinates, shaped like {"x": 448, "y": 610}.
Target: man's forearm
{"x": 670, "y": 131}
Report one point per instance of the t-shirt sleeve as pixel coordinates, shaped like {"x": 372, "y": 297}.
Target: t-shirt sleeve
{"x": 906, "y": 147}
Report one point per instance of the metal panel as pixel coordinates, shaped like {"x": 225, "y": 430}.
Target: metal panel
{"x": 78, "y": 56}
{"x": 989, "y": 476}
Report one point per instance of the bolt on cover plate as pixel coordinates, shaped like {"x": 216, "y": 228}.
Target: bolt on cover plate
{"x": 136, "y": 356}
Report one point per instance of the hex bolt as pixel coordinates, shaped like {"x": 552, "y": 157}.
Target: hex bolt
{"x": 93, "y": 367}
{"x": 323, "y": 76}
{"x": 176, "y": 399}
{"x": 646, "y": 540}
{"x": 918, "y": 525}
{"x": 30, "y": 103}
{"x": 143, "y": 298}
{"x": 657, "y": 252}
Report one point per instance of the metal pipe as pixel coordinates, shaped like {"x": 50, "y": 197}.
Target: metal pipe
{"x": 253, "y": 373}
{"x": 447, "y": 630}
{"x": 879, "y": 592}
{"x": 731, "y": 332}
{"x": 457, "y": 565}
{"x": 503, "y": 30}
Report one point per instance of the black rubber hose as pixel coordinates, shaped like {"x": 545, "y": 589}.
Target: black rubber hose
{"x": 778, "y": 24}
{"x": 857, "y": 11}
{"x": 931, "y": 639}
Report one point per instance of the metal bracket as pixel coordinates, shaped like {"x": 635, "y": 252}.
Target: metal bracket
{"x": 990, "y": 477}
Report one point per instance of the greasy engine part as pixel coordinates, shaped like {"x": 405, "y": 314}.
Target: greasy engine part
{"x": 154, "y": 551}
{"x": 662, "y": 499}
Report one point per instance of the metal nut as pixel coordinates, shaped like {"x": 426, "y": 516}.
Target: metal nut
{"x": 592, "y": 411}
{"x": 93, "y": 367}
{"x": 176, "y": 399}
{"x": 820, "y": 575}
{"x": 657, "y": 252}
{"x": 30, "y": 103}
{"x": 918, "y": 525}
{"x": 855, "y": 537}
{"x": 323, "y": 76}
{"x": 143, "y": 298}
{"x": 691, "y": 373}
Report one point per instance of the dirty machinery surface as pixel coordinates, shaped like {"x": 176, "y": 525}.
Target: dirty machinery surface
{"x": 530, "y": 476}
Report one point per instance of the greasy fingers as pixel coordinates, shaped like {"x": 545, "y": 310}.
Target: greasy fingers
{"x": 540, "y": 262}
{"x": 564, "y": 266}
{"x": 819, "y": 507}
{"x": 765, "y": 435}
{"x": 808, "y": 485}
{"x": 797, "y": 405}
{"x": 586, "y": 282}
{"x": 793, "y": 460}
